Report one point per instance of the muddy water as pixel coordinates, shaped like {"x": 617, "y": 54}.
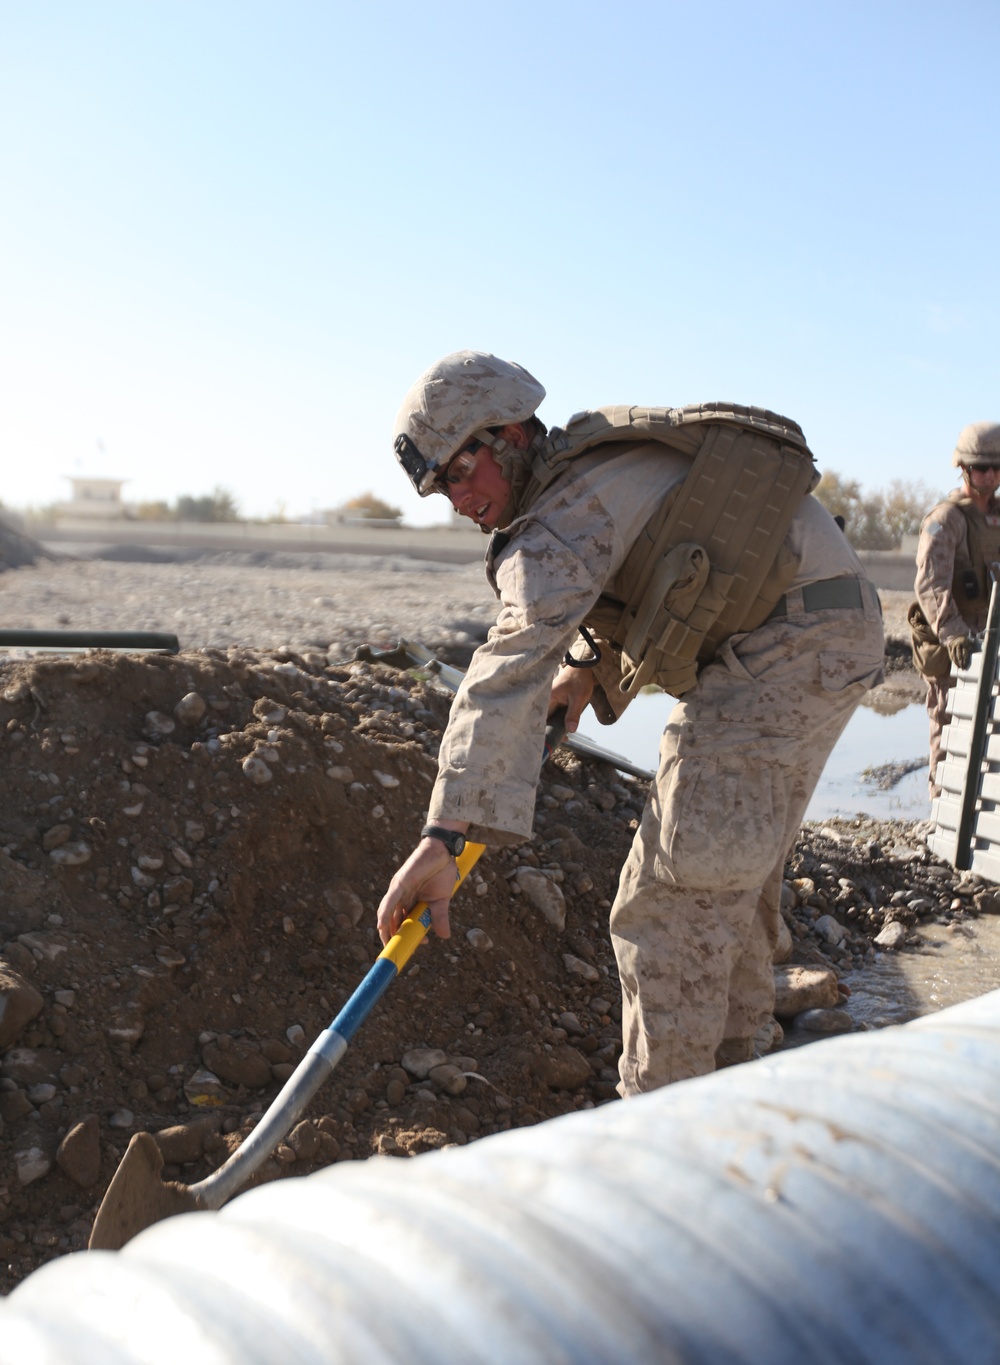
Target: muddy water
{"x": 952, "y": 963}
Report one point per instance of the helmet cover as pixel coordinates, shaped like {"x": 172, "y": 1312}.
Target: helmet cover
{"x": 978, "y": 444}
{"x": 459, "y": 397}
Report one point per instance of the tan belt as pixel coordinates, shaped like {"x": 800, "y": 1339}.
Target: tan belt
{"x": 827, "y": 594}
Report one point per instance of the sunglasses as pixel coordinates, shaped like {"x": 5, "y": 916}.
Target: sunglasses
{"x": 459, "y": 467}
{"x": 994, "y": 468}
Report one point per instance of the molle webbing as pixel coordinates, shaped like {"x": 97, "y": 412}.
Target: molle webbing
{"x": 719, "y": 542}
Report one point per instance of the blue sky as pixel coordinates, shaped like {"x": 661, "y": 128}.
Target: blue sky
{"x": 233, "y": 234}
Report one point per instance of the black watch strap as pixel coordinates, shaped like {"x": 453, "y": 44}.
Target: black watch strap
{"x": 453, "y": 840}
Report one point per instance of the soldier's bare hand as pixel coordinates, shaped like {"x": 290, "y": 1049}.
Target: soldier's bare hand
{"x": 429, "y": 874}
{"x": 960, "y": 650}
{"x": 572, "y": 688}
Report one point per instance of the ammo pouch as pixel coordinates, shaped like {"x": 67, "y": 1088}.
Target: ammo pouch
{"x": 930, "y": 656}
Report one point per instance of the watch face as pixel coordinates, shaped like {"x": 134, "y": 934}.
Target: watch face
{"x": 459, "y": 844}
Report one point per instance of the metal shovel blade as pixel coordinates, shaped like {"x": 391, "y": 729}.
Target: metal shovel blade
{"x": 138, "y": 1196}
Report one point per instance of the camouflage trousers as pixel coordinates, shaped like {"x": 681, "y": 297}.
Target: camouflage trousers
{"x": 938, "y": 690}
{"x": 695, "y": 920}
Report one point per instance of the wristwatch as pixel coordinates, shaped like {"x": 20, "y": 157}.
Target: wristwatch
{"x": 453, "y": 840}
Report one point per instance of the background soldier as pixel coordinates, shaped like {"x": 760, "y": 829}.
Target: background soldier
{"x": 959, "y": 539}
{"x": 683, "y": 540}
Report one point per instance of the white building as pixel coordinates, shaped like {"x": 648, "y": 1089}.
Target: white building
{"x": 93, "y": 498}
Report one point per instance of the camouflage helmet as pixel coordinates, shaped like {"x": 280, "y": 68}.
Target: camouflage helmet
{"x": 460, "y": 397}
{"x": 978, "y": 444}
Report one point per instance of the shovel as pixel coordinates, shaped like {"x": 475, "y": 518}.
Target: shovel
{"x": 138, "y": 1196}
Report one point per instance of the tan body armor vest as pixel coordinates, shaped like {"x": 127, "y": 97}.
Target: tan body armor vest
{"x": 710, "y": 560}
{"x": 970, "y": 587}
{"x": 983, "y": 538}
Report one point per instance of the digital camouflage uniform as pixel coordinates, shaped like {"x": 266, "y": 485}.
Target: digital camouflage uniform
{"x": 957, "y": 542}
{"x": 696, "y": 915}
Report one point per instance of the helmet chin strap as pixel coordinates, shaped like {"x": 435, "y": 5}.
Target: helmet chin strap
{"x": 515, "y": 466}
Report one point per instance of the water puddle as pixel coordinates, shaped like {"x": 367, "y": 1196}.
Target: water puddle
{"x": 952, "y": 965}
{"x": 873, "y": 740}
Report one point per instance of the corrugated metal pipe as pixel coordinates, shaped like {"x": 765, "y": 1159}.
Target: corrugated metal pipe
{"x": 839, "y": 1203}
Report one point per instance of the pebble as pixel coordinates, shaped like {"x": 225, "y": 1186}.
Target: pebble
{"x": 544, "y": 894}
{"x": 72, "y": 854}
{"x": 156, "y": 725}
{"x": 256, "y": 770}
{"x": 190, "y": 709}
{"x": 479, "y": 939}
{"x": 31, "y": 1164}
{"x": 577, "y": 967}
{"x": 892, "y": 937}
{"x": 420, "y": 1061}
{"x": 826, "y": 1021}
{"x": 79, "y": 1153}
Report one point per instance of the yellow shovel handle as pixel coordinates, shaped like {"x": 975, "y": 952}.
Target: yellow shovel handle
{"x": 413, "y": 930}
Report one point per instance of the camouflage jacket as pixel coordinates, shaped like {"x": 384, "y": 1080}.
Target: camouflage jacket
{"x": 556, "y": 560}
{"x": 943, "y": 554}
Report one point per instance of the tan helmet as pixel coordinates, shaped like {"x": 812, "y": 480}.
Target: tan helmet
{"x": 978, "y": 444}
{"x": 460, "y": 397}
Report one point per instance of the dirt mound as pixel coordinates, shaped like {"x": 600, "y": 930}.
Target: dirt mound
{"x": 191, "y": 851}
{"x": 17, "y": 549}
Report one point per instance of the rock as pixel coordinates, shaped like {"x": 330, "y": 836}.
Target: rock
{"x": 31, "y": 1163}
{"x": 122, "y": 1118}
{"x": 79, "y": 1153}
{"x": 385, "y": 779}
{"x": 185, "y": 1142}
{"x": 451, "y": 1080}
{"x": 825, "y": 1021}
{"x": 419, "y": 1061}
{"x": 238, "y": 1064}
{"x": 14, "y": 1105}
{"x": 71, "y": 855}
{"x": 544, "y": 894}
{"x": 564, "y": 1068}
{"x": 157, "y": 726}
{"x": 190, "y": 709}
{"x": 177, "y": 890}
{"x": 256, "y": 770}
{"x": 20, "y": 1003}
{"x": 41, "y": 1093}
{"x": 892, "y": 937}
{"x": 340, "y": 772}
{"x": 802, "y": 988}
{"x": 54, "y": 837}
{"x": 304, "y": 1140}
{"x": 204, "y": 1088}
{"x": 830, "y": 930}
{"x": 577, "y": 967}
{"x": 24, "y": 1067}
{"x": 479, "y": 939}
{"x": 768, "y": 1037}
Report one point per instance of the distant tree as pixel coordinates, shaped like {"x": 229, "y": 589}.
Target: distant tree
{"x": 219, "y": 505}
{"x": 153, "y": 511}
{"x": 368, "y": 505}
{"x": 877, "y": 520}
